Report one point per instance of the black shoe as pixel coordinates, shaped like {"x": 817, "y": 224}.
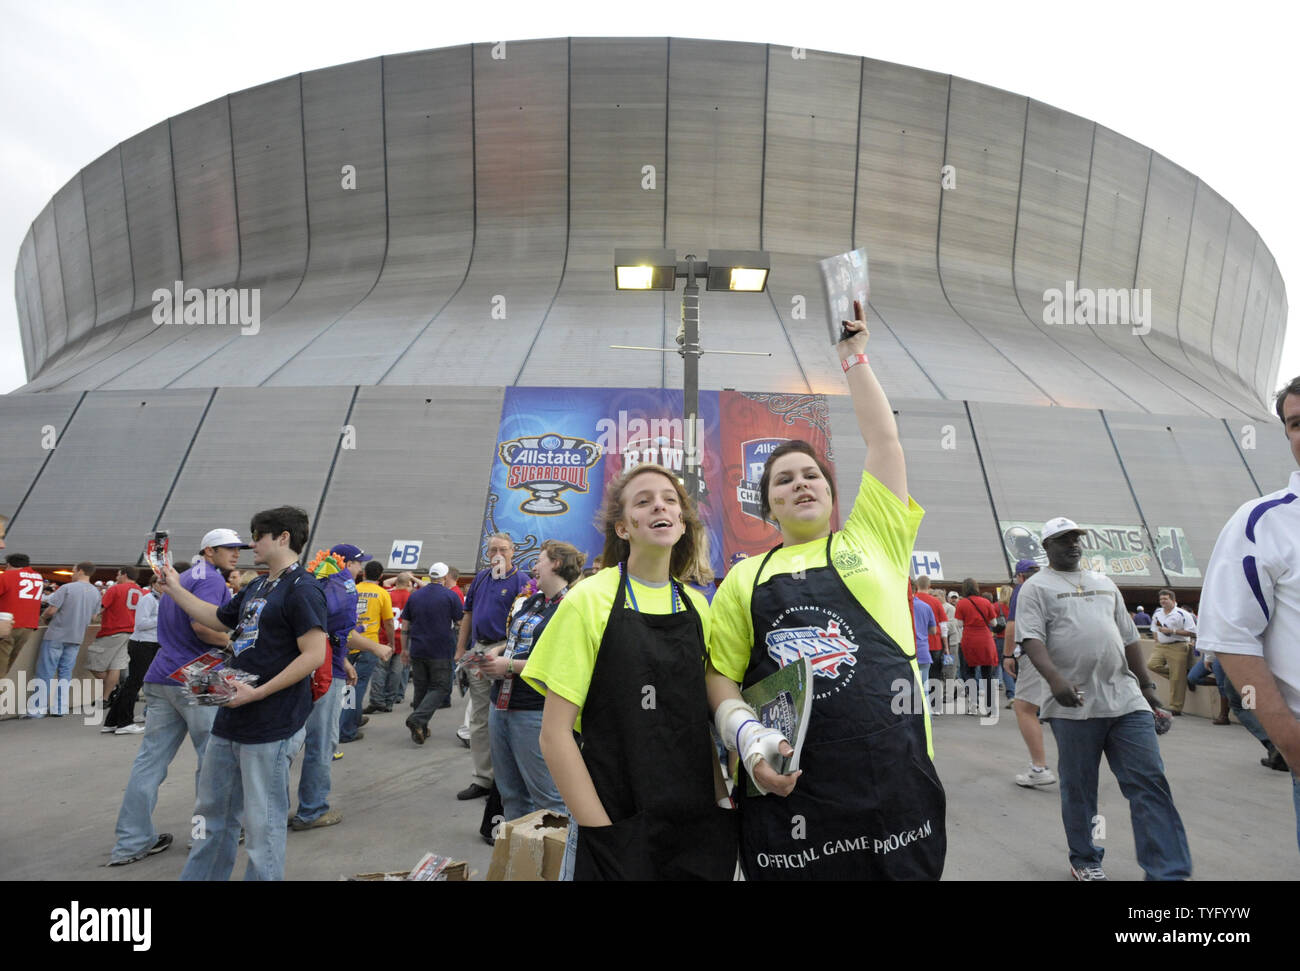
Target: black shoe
{"x": 370, "y": 710}
{"x": 164, "y": 842}
{"x": 1274, "y": 760}
{"x": 488, "y": 840}
{"x": 417, "y": 733}
{"x": 474, "y": 791}
{"x": 365, "y": 720}
{"x": 355, "y": 738}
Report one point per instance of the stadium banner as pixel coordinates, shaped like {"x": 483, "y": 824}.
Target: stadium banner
{"x": 558, "y": 447}
{"x": 1117, "y": 551}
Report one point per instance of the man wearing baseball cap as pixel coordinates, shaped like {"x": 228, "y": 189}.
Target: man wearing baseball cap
{"x": 362, "y": 659}
{"x": 1073, "y": 625}
{"x": 1030, "y": 690}
{"x": 168, "y": 716}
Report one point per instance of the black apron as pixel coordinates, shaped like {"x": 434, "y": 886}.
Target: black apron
{"x": 647, "y": 746}
{"x": 869, "y": 805}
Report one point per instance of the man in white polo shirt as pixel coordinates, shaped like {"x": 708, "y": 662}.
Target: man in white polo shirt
{"x": 1174, "y": 629}
{"x": 1250, "y": 604}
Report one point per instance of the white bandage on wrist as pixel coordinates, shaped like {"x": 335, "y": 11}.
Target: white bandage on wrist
{"x": 731, "y": 714}
{"x": 743, "y": 733}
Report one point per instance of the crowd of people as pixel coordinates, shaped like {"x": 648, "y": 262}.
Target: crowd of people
{"x": 618, "y": 696}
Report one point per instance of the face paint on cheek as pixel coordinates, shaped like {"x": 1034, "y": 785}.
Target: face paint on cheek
{"x": 636, "y": 523}
{"x": 778, "y": 502}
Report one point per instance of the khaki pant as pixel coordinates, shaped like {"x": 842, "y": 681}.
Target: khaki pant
{"x": 1171, "y": 660}
{"x": 11, "y": 645}
{"x": 480, "y": 741}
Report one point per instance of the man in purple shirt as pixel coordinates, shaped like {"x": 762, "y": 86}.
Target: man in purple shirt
{"x": 168, "y": 716}
{"x": 428, "y": 630}
{"x": 487, "y": 607}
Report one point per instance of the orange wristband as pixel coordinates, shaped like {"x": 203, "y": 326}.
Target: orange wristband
{"x": 856, "y": 359}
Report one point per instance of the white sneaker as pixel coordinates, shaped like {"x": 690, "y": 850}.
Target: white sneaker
{"x": 131, "y": 729}
{"x": 1035, "y": 778}
{"x": 107, "y": 729}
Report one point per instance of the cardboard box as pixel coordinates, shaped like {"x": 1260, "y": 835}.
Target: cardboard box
{"x": 455, "y": 872}
{"x": 530, "y": 848}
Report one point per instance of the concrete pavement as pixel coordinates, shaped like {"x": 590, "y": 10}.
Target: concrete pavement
{"x": 63, "y": 784}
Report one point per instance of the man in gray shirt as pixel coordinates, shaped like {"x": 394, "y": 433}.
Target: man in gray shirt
{"x": 1075, "y": 629}
{"x": 68, "y": 612}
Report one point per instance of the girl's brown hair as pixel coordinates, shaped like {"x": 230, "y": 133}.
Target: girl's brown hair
{"x": 611, "y": 511}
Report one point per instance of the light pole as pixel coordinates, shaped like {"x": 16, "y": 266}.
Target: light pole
{"x": 658, "y": 269}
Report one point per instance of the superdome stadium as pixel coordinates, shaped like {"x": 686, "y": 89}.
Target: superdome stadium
{"x": 1066, "y": 322}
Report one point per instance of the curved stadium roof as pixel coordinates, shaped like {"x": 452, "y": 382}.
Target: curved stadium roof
{"x": 502, "y": 178}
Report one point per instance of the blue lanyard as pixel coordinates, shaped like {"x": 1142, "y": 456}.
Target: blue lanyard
{"x": 632, "y": 596}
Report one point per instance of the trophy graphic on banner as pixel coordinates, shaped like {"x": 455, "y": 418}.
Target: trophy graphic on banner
{"x": 546, "y": 465}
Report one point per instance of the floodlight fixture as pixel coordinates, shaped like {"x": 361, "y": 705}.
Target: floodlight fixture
{"x": 645, "y": 269}
{"x": 738, "y": 270}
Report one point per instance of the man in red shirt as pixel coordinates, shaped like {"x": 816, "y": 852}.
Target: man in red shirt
{"x": 939, "y": 638}
{"x": 20, "y": 604}
{"x": 107, "y": 658}
{"x": 388, "y": 683}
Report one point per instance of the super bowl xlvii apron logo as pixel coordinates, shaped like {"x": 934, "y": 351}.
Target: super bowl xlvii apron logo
{"x": 753, "y": 456}
{"x": 546, "y": 465}
{"x": 829, "y": 647}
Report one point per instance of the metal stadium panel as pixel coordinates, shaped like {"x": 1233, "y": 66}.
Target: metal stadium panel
{"x": 74, "y": 255}
{"x": 256, "y": 448}
{"x": 420, "y": 453}
{"x": 110, "y": 248}
{"x": 945, "y": 476}
{"x": 520, "y": 153}
{"x": 430, "y": 219}
{"x": 31, "y": 427}
{"x": 1207, "y": 484}
{"x": 102, "y": 488}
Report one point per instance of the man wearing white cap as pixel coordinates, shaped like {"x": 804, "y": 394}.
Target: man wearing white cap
{"x": 168, "y": 717}
{"x": 1074, "y": 627}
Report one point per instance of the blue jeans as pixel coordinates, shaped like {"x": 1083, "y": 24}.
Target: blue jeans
{"x": 403, "y": 679}
{"x": 386, "y": 685}
{"x": 1129, "y": 743}
{"x": 248, "y": 783}
{"x": 350, "y": 722}
{"x": 1295, "y": 796}
{"x": 167, "y": 720}
{"x": 1244, "y": 715}
{"x": 1198, "y": 673}
{"x": 318, "y": 753}
{"x": 54, "y": 666}
{"x": 520, "y": 771}
{"x": 1008, "y": 681}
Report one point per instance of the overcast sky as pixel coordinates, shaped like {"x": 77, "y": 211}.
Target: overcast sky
{"x": 1210, "y": 86}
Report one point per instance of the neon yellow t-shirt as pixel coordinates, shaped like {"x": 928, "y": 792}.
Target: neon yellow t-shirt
{"x": 564, "y": 657}
{"x": 374, "y": 606}
{"x": 872, "y": 553}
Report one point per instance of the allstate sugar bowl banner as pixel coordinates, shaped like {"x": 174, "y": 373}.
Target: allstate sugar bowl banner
{"x": 557, "y": 447}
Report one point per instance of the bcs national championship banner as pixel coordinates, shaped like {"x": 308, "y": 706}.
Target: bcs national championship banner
{"x": 557, "y": 447}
